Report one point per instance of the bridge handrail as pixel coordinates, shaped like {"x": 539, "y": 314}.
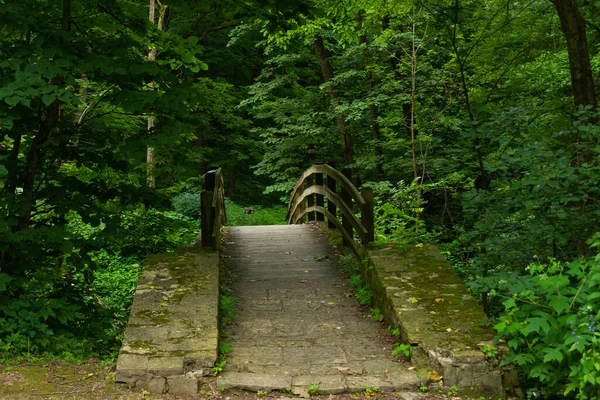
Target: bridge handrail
{"x": 212, "y": 209}
{"x": 306, "y": 191}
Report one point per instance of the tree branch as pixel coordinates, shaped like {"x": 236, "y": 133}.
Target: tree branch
{"x": 189, "y": 32}
{"x": 224, "y": 25}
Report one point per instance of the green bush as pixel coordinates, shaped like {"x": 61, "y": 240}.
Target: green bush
{"x": 551, "y": 326}
{"x": 76, "y": 304}
{"x": 272, "y": 215}
{"x": 188, "y": 204}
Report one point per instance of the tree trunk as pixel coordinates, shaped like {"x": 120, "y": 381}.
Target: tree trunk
{"x": 327, "y": 71}
{"x": 573, "y": 27}
{"x": 150, "y": 158}
{"x": 373, "y": 111}
{"x": 47, "y": 122}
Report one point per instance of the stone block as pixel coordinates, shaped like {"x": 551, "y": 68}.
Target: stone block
{"x": 253, "y": 382}
{"x": 181, "y": 385}
{"x": 165, "y": 366}
{"x": 356, "y": 384}
{"x": 404, "y": 380}
{"x": 328, "y": 384}
{"x": 157, "y": 385}
{"x": 132, "y": 364}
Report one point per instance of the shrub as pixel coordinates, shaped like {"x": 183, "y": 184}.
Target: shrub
{"x": 551, "y": 326}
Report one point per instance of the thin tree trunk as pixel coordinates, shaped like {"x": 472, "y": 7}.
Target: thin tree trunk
{"x": 327, "y": 71}
{"x": 150, "y": 156}
{"x": 373, "y": 111}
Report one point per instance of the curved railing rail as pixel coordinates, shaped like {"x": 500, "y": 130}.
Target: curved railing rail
{"x": 212, "y": 209}
{"x": 307, "y": 202}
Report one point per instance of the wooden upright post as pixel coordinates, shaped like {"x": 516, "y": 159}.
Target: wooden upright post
{"x": 367, "y": 215}
{"x": 207, "y": 212}
{"x": 320, "y": 198}
{"x": 207, "y": 218}
{"x": 310, "y": 199}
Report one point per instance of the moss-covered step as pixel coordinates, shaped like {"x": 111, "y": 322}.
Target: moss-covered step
{"x": 421, "y": 295}
{"x": 173, "y": 324}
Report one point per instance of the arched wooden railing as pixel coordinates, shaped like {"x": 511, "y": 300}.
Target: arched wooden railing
{"x": 212, "y": 209}
{"x": 307, "y": 202}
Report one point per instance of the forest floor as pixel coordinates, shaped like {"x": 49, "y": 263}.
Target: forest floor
{"x": 92, "y": 380}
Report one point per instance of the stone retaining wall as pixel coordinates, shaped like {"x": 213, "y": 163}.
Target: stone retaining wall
{"x": 420, "y": 294}
{"x": 171, "y": 340}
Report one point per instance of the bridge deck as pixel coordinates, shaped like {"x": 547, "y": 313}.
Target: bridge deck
{"x": 297, "y": 325}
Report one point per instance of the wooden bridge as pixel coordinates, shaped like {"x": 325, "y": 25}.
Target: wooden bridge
{"x": 298, "y": 328}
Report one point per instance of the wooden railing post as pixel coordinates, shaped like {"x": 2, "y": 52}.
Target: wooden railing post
{"x": 367, "y": 215}
{"x": 331, "y": 185}
{"x": 207, "y": 217}
{"x": 209, "y": 210}
{"x": 311, "y": 199}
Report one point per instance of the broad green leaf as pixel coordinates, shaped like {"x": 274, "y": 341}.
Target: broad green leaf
{"x": 49, "y": 98}
{"x": 559, "y": 303}
{"x": 553, "y": 354}
{"x": 536, "y": 324}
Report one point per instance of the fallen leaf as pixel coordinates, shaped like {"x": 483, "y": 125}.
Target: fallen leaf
{"x": 152, "y": 287}
{"x": 434, "y": 375}
{"x": 411, "y": 368}
{"x": 399, "y": 312}
{"x": 267, "y": 298}
{"x": 449, "y": 330}
{"x": 387, "y": 371}
{"x": 413, "y": 300}
{"x": 419, "y": 245}
{"x": 342, "y": 369}
{"x": 163, "y": 304}
{"x": 439, "y": 300}
{"x": 331, "y": 303}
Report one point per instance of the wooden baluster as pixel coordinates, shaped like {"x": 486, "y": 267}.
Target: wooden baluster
{"x": 331, "y": 185}
{"x": 347, "y": 198}
{"x": 310, "y": 200}
{"x": 320, "y": 198}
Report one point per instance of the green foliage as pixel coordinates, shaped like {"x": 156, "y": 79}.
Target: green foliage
{"x": 402, "y": 349}
{"x": 376, "y": 314}
{"x": 313, "y": 389}
{"x": 188, "y": 204}
{"x": 349, "y": 267}
{"x": 393, "y": 331}
{"x": 550, "y": 323}
{"x": 364, "y": 296}
{"x": 227, "y": 309}
{"x": 82, "y": 311}
{"x": 489, "y": 351}
{"x": 272, "y": 215}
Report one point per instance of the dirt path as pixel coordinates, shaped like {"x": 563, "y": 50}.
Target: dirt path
{"x": 298, "y": 325}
